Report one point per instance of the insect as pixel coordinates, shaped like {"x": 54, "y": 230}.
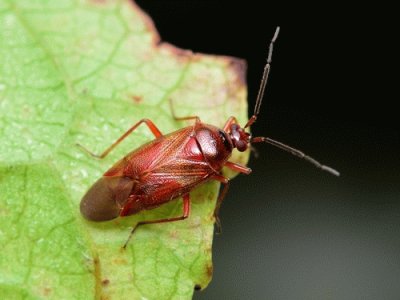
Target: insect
{"x": 171, "y": 165}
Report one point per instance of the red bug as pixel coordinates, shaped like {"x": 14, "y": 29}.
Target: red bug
{"x": 171, "y": 165}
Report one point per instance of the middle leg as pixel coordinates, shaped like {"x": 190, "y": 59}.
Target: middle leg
{"x": 186, "y": 212}
{"x": 237, "y": 168}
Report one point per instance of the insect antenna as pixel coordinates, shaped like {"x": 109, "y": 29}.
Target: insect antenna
{"x": 295, "y": 152}
{"x": 268, "y": 140}
{"x": 264, "y": 80}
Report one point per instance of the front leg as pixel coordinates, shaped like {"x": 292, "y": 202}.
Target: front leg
{"x": 237, "y": 168}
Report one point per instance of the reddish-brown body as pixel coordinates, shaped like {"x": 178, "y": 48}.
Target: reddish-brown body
{"x": 161, "y": 170}
{"x": 168, "y": 167}
{"x": 171, "y": 165}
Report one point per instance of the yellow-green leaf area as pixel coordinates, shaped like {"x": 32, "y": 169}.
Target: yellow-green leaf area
{"x": 84, "y": 72}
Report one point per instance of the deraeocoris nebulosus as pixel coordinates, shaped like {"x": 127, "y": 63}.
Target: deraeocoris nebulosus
{"x": 171, "y": 165}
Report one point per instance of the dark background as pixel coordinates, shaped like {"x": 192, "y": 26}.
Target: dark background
{"x": 291, "y": 231}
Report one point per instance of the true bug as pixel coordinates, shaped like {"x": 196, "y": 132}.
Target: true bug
{"x": 171, "y": 165}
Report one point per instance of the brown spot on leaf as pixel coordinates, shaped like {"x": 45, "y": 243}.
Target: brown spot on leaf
{"x": 137, "y": 98}
{"x": 120, "y": 261}
{"x": 46, "y": 291}
{"x": 105, "y": 282}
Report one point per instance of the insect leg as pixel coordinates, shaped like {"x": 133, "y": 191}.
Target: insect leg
{"x": 181, "y": 118}
{"x": 186, "y": 212}
{"x": 225, "y": 181}
{"x": 228, "y": 123}
{"x": 238, "y": 168}
{"x": 221, "y": 197}
{"x": 153, "y": 128}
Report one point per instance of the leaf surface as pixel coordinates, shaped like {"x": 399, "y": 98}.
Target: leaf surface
{"x": 84, "y": 72}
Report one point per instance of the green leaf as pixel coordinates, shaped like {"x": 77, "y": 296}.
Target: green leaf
{"x": 84, "y": 72}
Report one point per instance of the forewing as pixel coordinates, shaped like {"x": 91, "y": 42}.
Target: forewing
{"x": 150, "y": 155}
{"x": 175, "y": 178}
